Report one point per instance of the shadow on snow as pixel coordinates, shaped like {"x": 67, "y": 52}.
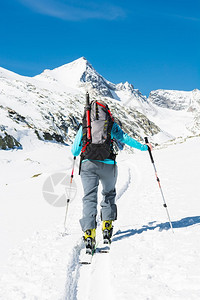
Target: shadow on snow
{"x": 185, "y": 222}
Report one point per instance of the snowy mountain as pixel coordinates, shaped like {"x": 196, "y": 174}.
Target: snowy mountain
{"x": 182, "y": 109}
{"x": 81, "y": 75}
{"x": 49, "y": 106}
{"x": 176, "y": 100}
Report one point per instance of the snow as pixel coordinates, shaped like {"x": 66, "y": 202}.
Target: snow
{"x": 176, "y": 112}
{"x": 174, "y": 123}
{"x": 177, "y": 100}
{"x": 69, "y": 74}
{"x": 146, "y": 260}
{"x": 47, "y": 103}
{"x": 38, "y": 260}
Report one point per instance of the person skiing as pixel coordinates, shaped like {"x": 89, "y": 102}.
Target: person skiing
{"x": 95, "y": 167}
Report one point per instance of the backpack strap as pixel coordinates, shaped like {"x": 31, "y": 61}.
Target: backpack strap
{"x": 105, "y": 106}
{"x": 88, "y": 122}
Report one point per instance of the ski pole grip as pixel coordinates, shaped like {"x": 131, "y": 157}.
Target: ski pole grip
{"x": 146, "y": 142}
{"x": 87, "y": 100}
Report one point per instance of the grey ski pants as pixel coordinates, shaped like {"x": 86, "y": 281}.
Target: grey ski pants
{"x": 91, "y": 173}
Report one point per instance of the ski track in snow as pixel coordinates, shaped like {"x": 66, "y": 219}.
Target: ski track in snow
{"x": 73, "y": 273}
{"x": 125, "y": 187}
{"x": 83, "y": 280}
{"x": 145, "y": 261}
{"x": 96, "y": 278}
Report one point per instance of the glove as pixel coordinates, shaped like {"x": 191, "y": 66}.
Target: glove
{"x": 149, "y": 146}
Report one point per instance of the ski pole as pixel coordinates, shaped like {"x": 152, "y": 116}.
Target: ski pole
{"x": 69, "y": 195}
{"x": 158, "y": 180}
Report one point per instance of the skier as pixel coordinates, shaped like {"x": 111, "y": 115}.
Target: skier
{"x": 104, "y": 170}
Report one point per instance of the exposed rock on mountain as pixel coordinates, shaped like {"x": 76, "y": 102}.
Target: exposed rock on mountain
{"x": 49, "y": 106}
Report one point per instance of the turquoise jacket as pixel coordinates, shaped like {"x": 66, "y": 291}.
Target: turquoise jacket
{"x": 116, "y": 133}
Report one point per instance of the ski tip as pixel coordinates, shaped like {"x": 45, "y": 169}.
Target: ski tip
{"x": 104, "y": 251}
{"x": 84, "y": 262}
{"x": 85, "y": 258}
{"x": 104, "y": 248}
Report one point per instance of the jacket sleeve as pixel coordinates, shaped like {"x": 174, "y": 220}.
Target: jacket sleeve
{"x": 118, "y": 134}
{"x": 77, "y": 144}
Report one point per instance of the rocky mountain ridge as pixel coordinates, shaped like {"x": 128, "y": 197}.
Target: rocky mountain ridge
{"x": 176, "y": 100}
{"x": 49, "y": 106}
{"x": 180, "y": 103}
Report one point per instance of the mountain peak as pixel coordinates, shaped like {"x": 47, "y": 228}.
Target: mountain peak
{"x": 69, "y": 74}
{"x": 78, "y": 74}
{"x": 82, "y": 61}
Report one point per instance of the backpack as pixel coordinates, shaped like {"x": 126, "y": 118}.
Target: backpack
{"x": 97, "y": 125}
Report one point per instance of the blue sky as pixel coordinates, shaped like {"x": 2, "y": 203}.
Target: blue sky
{"x": 153, "y": 44}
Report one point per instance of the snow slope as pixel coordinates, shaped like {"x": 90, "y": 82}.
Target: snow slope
{"x": 176, "y": 112}
{"x": 146, "y": 259}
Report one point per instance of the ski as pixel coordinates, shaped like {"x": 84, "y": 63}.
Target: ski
{"x": 104, "y": 247}
{"x": 85, "y": 258}
{"x": 86, "y": 255}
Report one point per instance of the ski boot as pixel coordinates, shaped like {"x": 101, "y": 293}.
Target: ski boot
{"x": 107, "y": 230}
{"x": 89, "y": 240}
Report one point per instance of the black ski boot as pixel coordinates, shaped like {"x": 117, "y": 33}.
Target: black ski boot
{"x": 89, "y": 240}
{"x": 107, "y": 230}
